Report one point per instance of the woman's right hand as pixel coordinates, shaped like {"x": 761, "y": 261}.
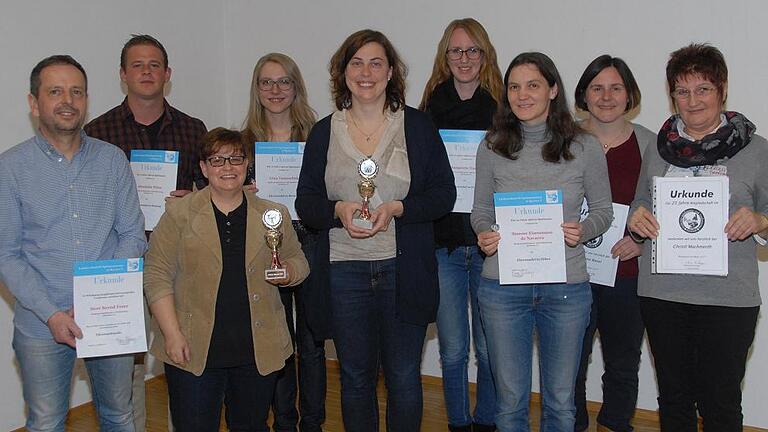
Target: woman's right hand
{"x": 643, "y": 223}
{"x": 177, "y": 348}
{"x": 345, "y": 211}
{"x": 488, "y": 241}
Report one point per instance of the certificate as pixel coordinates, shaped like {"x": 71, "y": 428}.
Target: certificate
{"x": 461, "y": 146}
{"x": 277, "y": 167}
{"x": 109, "y": 307}
{"x": 532, "y": 247}
{"x": 601, "y": 265}
{"x": 692, "y": 213}
{"x": 155, "y": 172}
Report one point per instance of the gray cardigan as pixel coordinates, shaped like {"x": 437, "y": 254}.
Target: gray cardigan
{"x": 748, "y": 188}
{"x": 585, "y": 175}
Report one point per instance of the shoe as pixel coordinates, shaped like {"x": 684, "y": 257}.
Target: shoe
{"x": 477, "y": 427}
{"x": 466, "y": 428}
{"x": 601, "y": 428}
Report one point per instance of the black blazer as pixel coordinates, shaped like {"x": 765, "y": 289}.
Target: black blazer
{"x": 431, "y": 194}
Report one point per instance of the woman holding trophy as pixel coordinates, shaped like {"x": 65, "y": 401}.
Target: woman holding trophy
{"x": 211, "y": 282}
{"x": 375, "y": 176}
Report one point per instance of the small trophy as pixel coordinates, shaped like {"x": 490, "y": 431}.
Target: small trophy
{"x": 367, "y": 168}
{"x": 272, "y": 220}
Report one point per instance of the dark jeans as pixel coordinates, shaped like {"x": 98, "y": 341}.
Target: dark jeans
{"x": 616, "y": 315}
{"x": 312, "y": 378}
{"x": 367, "y": 331}
{"x": 195, "y": 402}
{"x": 284, "y": 400}
{"x": 700, "y": 354}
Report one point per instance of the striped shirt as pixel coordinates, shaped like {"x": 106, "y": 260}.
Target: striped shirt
{"x": 54, "y": 212}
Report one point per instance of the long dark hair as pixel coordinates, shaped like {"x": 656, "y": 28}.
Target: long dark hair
{"x": 505, "y": 135}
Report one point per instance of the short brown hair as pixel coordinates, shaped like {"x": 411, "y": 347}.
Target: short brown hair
{"x": 598, "y": 65}
{"x": 698, "y": 59}
{"x": 220, "y": 137}
{"x": 395, "y": 92}
{"x": 142, "y": 39}
{"x": 54, "y": 60}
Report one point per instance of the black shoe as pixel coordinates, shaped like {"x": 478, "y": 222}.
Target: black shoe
{"x": 477, "y": 427}
{"x": 465, "y": 428}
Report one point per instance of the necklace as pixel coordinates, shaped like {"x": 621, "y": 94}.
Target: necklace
{"x": 368, "y": 137}
{"x": 613, "y": 141}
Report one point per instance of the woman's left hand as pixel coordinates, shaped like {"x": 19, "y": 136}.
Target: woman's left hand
{"x": 743, "y": 223}
{"x": 572, "y": 233}
{"x": 626, "y": 249}
{"x": 382, "y": 216}
{"x": 284, "y": 281}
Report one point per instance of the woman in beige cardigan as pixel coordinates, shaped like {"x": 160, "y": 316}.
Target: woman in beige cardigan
{"x": 223, "y": 326}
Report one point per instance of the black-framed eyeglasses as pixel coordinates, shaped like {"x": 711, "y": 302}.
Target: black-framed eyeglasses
{"x": 473, "y": 53}
{"x": 283, "y": 84}
{"x": 219, "y": 161}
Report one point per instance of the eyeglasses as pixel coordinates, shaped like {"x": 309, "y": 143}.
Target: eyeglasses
{"x": 473, "y": 53}
{"x": 684, "y": 93}
{"x": 283, "y": 84}
{"x": 219, "y": 161}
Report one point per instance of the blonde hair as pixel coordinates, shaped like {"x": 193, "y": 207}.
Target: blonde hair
{"x": 490, "y": 74}
{"x": 303, "y": 117}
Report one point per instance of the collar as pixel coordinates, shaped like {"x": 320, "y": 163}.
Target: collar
{"x": 48, "y": 148}
{"x": 681, "y": 128}
{"x": 124, "y": 111}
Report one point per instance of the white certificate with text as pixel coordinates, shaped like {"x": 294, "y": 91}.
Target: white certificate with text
{"x": 692, "y": 213}
{"x": 601, "y": 265}
{"x": 532, "y": 247}
{"x": 109, "y": 307}
{"x": 461, "y": 146}
{"x": 277, "y": 167}
{"x": 155, "y": 172}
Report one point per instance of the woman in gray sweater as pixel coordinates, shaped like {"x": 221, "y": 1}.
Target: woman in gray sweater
{"x": 534, "y": 144}
{"x": 699, "y": 327}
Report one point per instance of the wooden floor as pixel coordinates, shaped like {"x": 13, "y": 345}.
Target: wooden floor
{"x": 83, "y": 418}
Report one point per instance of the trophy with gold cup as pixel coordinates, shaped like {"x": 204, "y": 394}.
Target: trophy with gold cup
{"x": 367, "y": 169}
{"x": 272, "y": 220}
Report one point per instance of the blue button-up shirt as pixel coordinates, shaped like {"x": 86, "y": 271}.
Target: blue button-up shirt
{"x": 54, "y": 212}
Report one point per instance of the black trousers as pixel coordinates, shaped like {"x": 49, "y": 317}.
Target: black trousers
{"x": 700, "y": 355}
{"x": 616, "y": 316}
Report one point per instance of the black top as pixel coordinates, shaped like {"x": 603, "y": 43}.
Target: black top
{"x": 448, "y": 111}
{"x": 232, "y": 340}
{"x": 153, "y": 129}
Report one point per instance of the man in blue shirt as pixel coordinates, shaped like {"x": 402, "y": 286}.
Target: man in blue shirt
{"x": 64, "y": 197}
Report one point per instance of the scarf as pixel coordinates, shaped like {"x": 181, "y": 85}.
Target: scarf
{"x": 722, "y": 143}
{"x": 448, "y": 111}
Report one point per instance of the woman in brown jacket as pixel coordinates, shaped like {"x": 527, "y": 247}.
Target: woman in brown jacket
{"x": 223, "y": 325}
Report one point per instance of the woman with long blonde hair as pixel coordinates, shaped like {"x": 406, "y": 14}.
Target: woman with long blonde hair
{"x": 462, "y": 93}
{"x": 279, "y": 112}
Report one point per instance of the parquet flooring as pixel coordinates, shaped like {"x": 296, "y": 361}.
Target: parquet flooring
{"x": 83, "y": 418}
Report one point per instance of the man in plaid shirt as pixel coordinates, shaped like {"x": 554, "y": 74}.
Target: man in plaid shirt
{"x": 145, "y": 120}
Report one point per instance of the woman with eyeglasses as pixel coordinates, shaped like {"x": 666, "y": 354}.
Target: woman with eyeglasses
{"x": 534, "y": 144}
{"x": 223, "y": 334}
{"x": 607, "y": 90}
{"x": 462, "y": 93}
{"x": 279, "y": 111}
{"x": 700, "y": 328}
{"x": 378, "y": 257}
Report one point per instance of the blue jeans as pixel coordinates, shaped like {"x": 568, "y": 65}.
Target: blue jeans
{"x": 616, "y": 316}
{"x": 196, "y": 401}
{"x": 459, "y": 273}
{"x": 46, "y": 375}
{"x": 367, "y": 330}
{"x": 559, "y": 313}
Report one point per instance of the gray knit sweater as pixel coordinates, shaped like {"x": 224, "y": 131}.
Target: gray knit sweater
{"x": 585, "y": 175}
{"x": 748, "y": 185}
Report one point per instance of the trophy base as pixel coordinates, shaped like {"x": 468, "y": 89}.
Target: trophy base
{"x": 362, "y": 223}
{"x": 275, "y": 274}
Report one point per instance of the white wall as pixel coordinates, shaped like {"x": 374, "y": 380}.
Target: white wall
{"x": 213, "y": 46}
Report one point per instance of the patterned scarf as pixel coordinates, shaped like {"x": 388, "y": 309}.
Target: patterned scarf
{"x": 722, "y": 143}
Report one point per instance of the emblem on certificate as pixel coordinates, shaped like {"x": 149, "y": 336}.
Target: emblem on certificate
{"x": 272, "y": 220}
{"x": 367, "y": 169}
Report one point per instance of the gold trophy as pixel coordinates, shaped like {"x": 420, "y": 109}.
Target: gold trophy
{"x": 367, "y": 168}
{"x": 272, "y": 220}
